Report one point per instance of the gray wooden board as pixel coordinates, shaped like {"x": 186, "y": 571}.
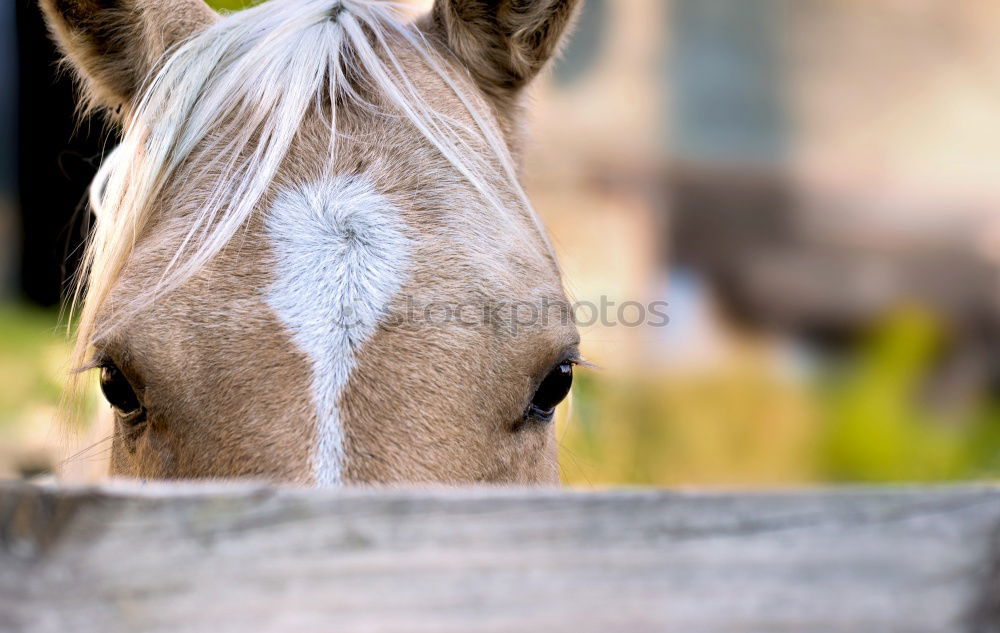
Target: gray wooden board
{"x": 219, "y": 558}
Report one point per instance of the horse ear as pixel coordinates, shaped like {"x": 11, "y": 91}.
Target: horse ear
{"x": 114, "y": 45}
{"x": 504, "y": 43}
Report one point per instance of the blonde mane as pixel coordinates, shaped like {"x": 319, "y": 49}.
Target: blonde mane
{"x": 239, "y": 92}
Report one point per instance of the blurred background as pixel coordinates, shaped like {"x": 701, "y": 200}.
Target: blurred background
{"x": 813, "y": 186}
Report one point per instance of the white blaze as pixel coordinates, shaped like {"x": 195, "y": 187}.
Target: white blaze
{"x": 341, "y": 257}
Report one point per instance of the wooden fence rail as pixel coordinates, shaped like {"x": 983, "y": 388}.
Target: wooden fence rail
{"x": 184, "y": 558}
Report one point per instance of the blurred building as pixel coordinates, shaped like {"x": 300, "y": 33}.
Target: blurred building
{"x": 817, "y": 164}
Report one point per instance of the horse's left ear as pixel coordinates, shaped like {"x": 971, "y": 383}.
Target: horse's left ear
{"x": 114, "y": 45}
{"x": 504, "y": 43}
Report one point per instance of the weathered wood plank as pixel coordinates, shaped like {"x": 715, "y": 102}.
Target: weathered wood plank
{"x": 219, "y": 559}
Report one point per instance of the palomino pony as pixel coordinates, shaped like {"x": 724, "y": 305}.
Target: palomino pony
{"x": 312, "y": 257}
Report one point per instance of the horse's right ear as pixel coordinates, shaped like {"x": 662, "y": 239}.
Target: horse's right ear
{"x": 503, "y": 43}
{"x": 114, "y": 45}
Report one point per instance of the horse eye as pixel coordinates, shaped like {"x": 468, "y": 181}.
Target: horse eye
{"x": 118, "y": 391}
{"x": 551, "y": 392}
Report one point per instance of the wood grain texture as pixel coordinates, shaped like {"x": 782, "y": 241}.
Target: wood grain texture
{"x": 220, "y": 559}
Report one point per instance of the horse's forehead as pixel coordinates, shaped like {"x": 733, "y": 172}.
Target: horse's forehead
{"x": 340, "y": 246}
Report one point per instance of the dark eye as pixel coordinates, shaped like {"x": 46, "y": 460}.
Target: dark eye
{"x": 118, "y": 391}
{"x": 551, "y": 392}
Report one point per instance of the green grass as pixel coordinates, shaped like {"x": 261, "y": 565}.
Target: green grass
{"x": 32, "y": 364}
{"x": 866, "y": 421}
{"x": 879, "y": 426}
{"x": 231, "y": 5}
